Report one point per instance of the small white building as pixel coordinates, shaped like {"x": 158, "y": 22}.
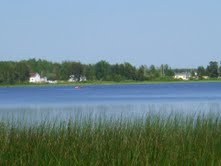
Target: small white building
{"x": 36, "y": 78}
{"x": 44, "y": 79}
{"x": 83, "y": 78}
{"x": 52, "y": 82}
{"x": 182, "y": 76}
{"x": 73, "y": 78}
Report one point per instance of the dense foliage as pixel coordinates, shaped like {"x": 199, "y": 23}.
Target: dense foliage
{"x": 213, "y": 70}
{"x": 19, "y": 72}
{"x": 150, "y": 141}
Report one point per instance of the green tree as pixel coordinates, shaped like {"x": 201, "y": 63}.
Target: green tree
{"x": 65, "y": 70}
{"x": 71, "y": 68}
{"x": 89, "y": 71}
{"x": 201, "y": 71}
{"x": 102, "y": 70}
{"x": 77, "y": 70}
{"x": 167, "y": 71}
{"x": 141, "y": 73}
{"x": 129, "y": 71}
{"x": 153, "y": 73}
{"x": 22, "y": 72}
{"x": 56, "y": 72}
{"x": 212, "y": 69}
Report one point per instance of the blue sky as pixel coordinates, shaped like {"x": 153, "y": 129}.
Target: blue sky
{"x": 179, "y": 33}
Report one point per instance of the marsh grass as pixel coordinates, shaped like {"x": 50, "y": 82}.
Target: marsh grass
{"x": 152, "y": 140}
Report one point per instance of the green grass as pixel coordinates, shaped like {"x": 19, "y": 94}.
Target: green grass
{"x": 152, "y": 140}
{"x": 65, "y": 83}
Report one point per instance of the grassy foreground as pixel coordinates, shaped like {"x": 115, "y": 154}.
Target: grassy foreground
{"x": 149, "y": 141}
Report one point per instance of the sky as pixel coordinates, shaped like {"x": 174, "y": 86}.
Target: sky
{"x": 142, "y": 32}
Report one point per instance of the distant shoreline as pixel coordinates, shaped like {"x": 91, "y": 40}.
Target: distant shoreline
{"x": 106, "y": 83}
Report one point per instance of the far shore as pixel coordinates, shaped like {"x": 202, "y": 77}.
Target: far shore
{"x": 65, "y": 83}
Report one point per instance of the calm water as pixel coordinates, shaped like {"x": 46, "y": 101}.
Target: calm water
{"x": 130, "y": 100}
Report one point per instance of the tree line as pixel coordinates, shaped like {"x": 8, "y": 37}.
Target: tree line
{"x": 213, "y": 70}
{"x": 19, "y": 72}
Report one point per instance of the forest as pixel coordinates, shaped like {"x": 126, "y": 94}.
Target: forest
{"x": 12, "y": 72}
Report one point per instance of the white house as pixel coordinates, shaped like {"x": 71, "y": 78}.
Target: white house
{"x": 83, "y": 78}
{"x": 36, "y": 78}
{"x": 182, "y": 76}
{"x": 73, "y": 78}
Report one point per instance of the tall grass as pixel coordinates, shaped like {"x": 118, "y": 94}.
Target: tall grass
{"x": 152, "y": 140}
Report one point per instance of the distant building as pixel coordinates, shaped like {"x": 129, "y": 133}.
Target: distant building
{"x": 83, "y": 78}
{"x": 73, "y": 78}
{"x": 205, "y": 77}
{"x": 52, "y": 82}
{"x": 36, "y": 78}
{"x": 44, "y": 79}
{"x": 182, "y": 76}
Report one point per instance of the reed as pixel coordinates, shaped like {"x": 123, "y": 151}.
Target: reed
{"x": 151, "y": 140}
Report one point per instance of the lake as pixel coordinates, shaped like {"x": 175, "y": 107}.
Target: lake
{"x": 63, "y": 102}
